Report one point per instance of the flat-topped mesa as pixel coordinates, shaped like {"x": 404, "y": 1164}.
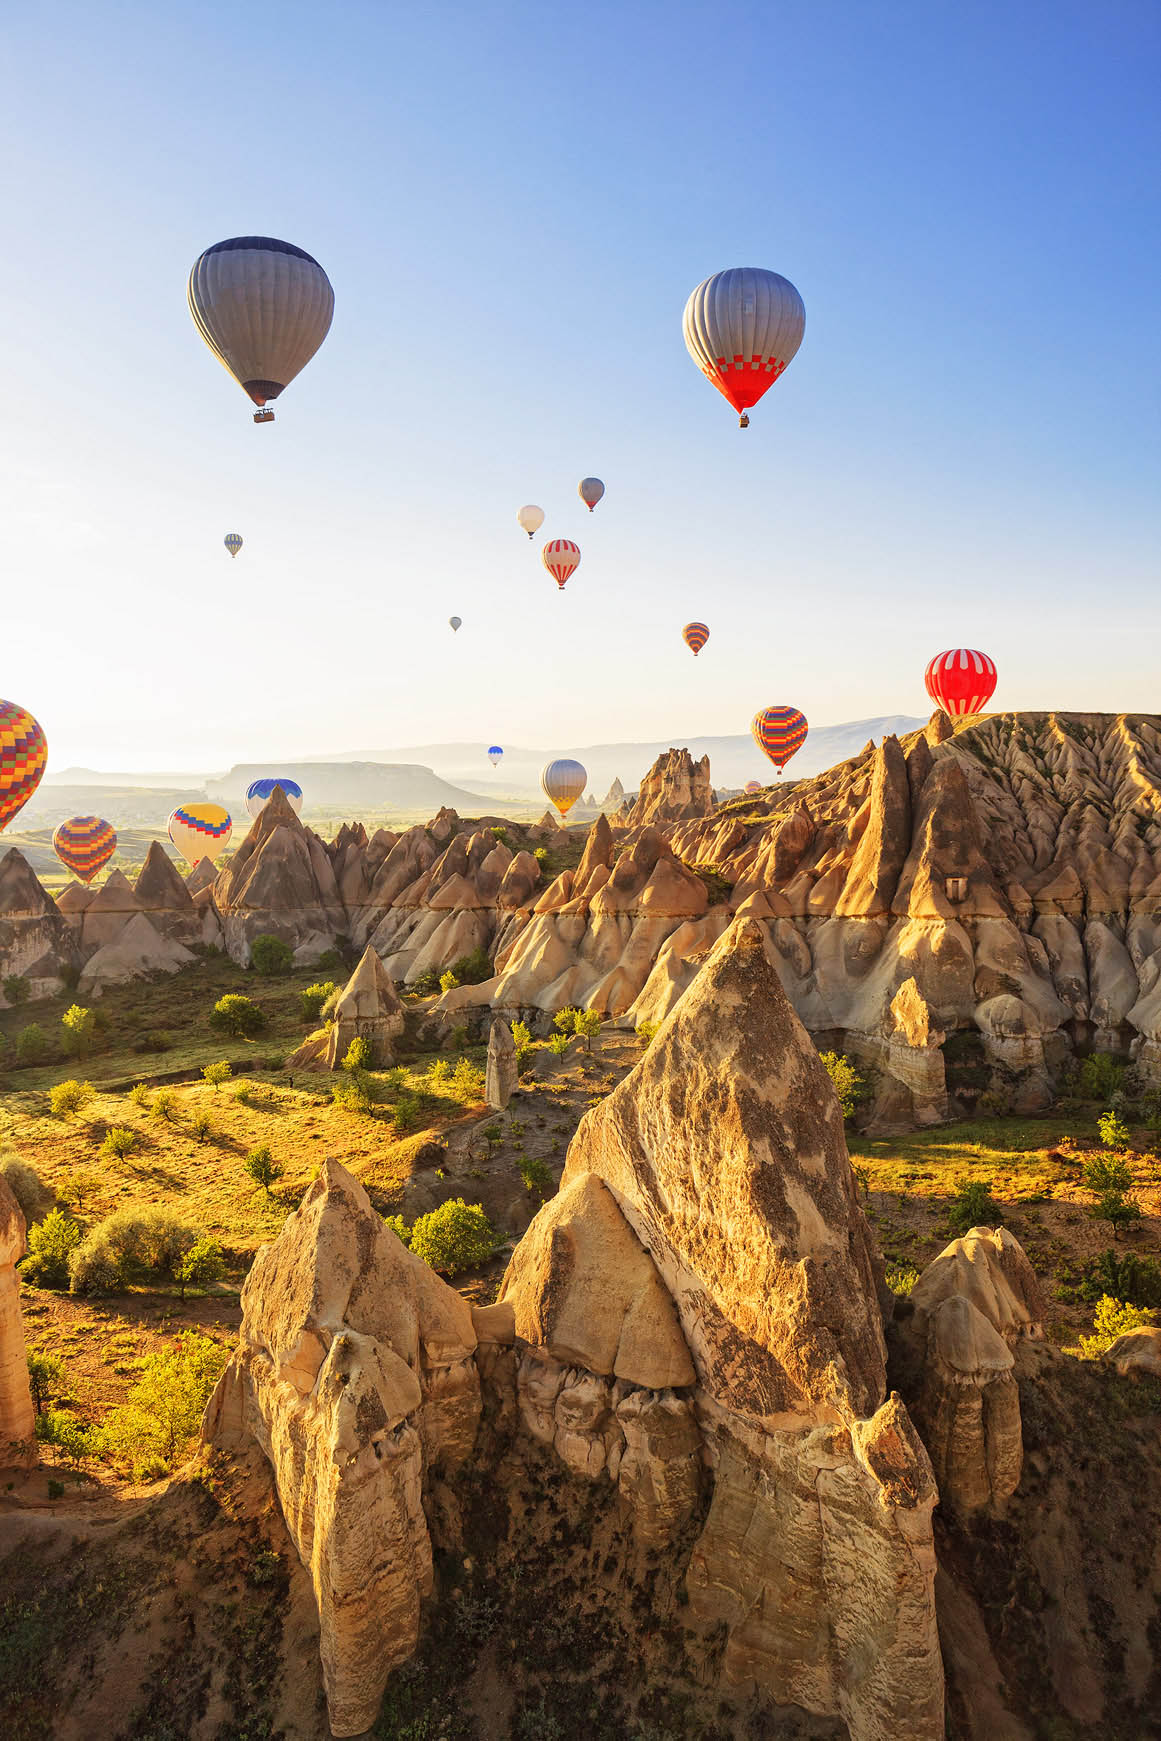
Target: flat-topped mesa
{"x": 281, "y": 883}
{"x": 37, "y": 941}
{"x": 675, "y": 789}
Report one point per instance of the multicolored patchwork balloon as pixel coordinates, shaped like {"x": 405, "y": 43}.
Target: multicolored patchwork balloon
{"x": 779, "y": 733}
{"x": 84, "y": 844}
{"x": 200, "y": 831}
{"x": 695, "y": 636}
{"x": 259, "y": 793}
{"x": 23, "y": 758}
{"x": 561, "y": 557}
{"x": 232, "y": 542}
{"x": 563, "y": 782}
{"x": 753, "y": 786}
{"x": 961, "y": 681}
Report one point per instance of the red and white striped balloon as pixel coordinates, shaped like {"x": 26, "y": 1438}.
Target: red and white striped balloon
{"x": 961, "y": 681}
{"x": 561, "y": 557}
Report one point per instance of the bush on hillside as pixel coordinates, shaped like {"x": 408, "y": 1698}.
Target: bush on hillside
{"x": 973, "y": 1206}
{"x": 46, "y": 1377}
{"x": 216, "y": 1074}
{"x": 65, "y": 1098}
{"x": 1114, "y": 1132}
{"x": 237, "y": 1015}
{"x": 79, "y": 1026}
{"x": 32, "y": 1044}
{"x": 51, "y": 1244}
{"x": 26, "y": 1185}
{"x": 119, "y": 1141}
{"x": 271, "y": 956}
{"x": 1112, "y": 1318}
{"x": 358, "y": 1054}
{"x": 472, "y": 969}
{"x": 311, "y": 1001}
{"x": 848, "y": 1084}
{"x": 202, "y": 1265}
{"x": 132, "y": 1245}
{"x": 1100, "y": 1076}
{"x": 262, "y": 1167}
{"x": 454, "y": 1237}
{"x": 164, "y": 1409}
{"x": 16, "y": 989}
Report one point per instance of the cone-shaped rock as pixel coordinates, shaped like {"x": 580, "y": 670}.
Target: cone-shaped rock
{"x": 16, "y": 1414}
{"x": 368, "y": 1009}
{"x": 36, "y": 939}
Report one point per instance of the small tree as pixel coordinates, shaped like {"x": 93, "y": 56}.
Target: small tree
{"x": 65, "y": 1098}
{"x": 262, "y": 1167}
{"x": 973, "y": 1205}
{"x": 216, "y": 1074}
{"x": 119, "y": 1141}
{"x": 358, "y": 1054}
{"x": 78, "y": 1024}
{"x": 1115, "y": 1133}
{"x": 646, "y": 1032}
{"x": 566, "y": 1020}
{"x": 559, "y": 1044}
{"x": 587, "y": 1026}
{"x": 81, "y": 1184}
{"x": 534, "y": 1173}
{"x": 46, "y": 1377}
{"x": 202, "y": 1265}
{"x": 311, "y": 1001}
{"x": 51, "y": 1243}
{"x": 848, "y": 1084}
{"x": 237, "y": 1015}
{"x": 16, "y": 989}
{"x": 164, "y": 1407}
{"x": 201, "y": 1127}
{"x": 164, "y": 1105}
{"x": 271, "y": 956}
{"x": 32, "y": 1044}
{"x": 522, "y": 1040}
{"x": 1111, "y": 1319}
{"x": 454, "y": 1237}
{"x": 1100, "y": 1076}
{"x": 449, "y": 980}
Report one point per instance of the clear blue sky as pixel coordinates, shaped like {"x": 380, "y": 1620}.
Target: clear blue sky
{"x": 512, "y": 203}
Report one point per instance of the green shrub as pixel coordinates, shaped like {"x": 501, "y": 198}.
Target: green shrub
{"x": 164, "y": 1105}
{"x": 1111, "y": 1319}
{"x": 973, "y": 1205}
{"x": 201, "y": 1266}
{"x": 311, "y": 1001}
{"x": 646, "y": 1032}
{"x": 81, "y": 1184}
{"x": 845, "y": 1079}
{"x": 237, "y": 1015}
{"x": 398, "y": 1227}
{"x": 535, "y": 1174}
{"x": 565, "y": 1020}
{"x": 901, "y": 1277}
{"x": 164, "y": 1408}
{"x": 26, "y": 1185}
{"x": 358, "y": 1054}
{"x": 448, "y": 980}
{"x": 139, "y": 1094}
{"x": 74, "y": 1440}
{"x": 329, "y": 959}
{"x": 16, "y": 989}
{"x": 1100, "y": 1076}
{"x": 541, "y": 855}
{"x": 1115, "y": 1134}
{"x": 132, "y": 1245}
{"x": 1117, "y": 1209}
{"x": 46, "y": 1377}
{"x": 522, "y": 1039}
{"x": 426, "y": 984}
{"x": 51, "y": 1243}
{"x": 467, "y": 1081}
{"x": 119, "y": 1141}
{"x": 406, "y": 1112}
{"x": 559, "y": 1044}
{"x": 459, "y": 1037}
{"x": 473, "y": 969}
{"x": 352, "y": 1092}
{"x": 216, "y": 1074}
{"x": 454, "y": 1237}
{"x": 65, "y": 1098}
{"x": 202, "y": 1128}
{"x": 271, "y": 956}
{"x": 262, "y": 1167}
{"x": 1124, "y": 1275}
{"x": 32, "y": 1044}
{"x": 78, "y": 1024}
{"x": 157, "y": 1040}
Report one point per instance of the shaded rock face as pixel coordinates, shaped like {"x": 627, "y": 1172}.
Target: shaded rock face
{"x": 163, "y": 894}
{"x": 17, "y": 1420}
{"x": 280, "y": 883}
{"x": 354, "y": 1373}
{"x": 137, "y": 950}
{"x": 36, "y": 941}
{"x": 501, "y": 1077}
{"x": 368, "y": 1009}
{"x": 675, "y": 789}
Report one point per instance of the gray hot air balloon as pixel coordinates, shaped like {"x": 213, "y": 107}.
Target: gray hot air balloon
{"x": 455, "y": 622}
{"x": 563, "y": 781}
{"x": 590, "y": 491}
{"x": 264, "y": 307}
{"x": 742, "y": 327}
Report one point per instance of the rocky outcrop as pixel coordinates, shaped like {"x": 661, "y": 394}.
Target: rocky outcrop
{"x": 164, "y": 895}
{"x": 1137, "y": 1351}
{"x": 137, "y": 951}
{"x": 36, "y": 941}
{"x": 354, "y": 1373}
{"x": 367, "y": 1009}
{"x": 279, "y": 883}
{"x": 17, "y": 1420}
{"x": 675, "y": 789}
{"x": 501, "y": 1077}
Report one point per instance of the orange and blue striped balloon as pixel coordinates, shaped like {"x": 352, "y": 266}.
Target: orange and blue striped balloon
{"x": 779, "y": 732}
{"x": 695, "y": 636}
{"x": 23, "y": 758}
{"x": 84, "y": 844}
{"x": 200, "y": 831}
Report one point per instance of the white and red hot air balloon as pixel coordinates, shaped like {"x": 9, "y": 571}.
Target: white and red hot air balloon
{"x": 961, "y": 681}
{"x": 742, "y": 327}
{"x": 561, "y": 557}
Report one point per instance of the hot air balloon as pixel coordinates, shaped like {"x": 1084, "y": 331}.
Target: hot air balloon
{"x": 753, "y": 786}
{"x": 561, "y": 557}
{"x": 563, "y": 782}
{"x": 531, "y": 518}
{"x": 264, "y": 307}
{"x": 961, "y": 681}
{"x": 200, "y": 831}
{"x": 695, "y": 636}
{"x": 23, "y": 756}
{"x": 590, "y": 491}
{"x": 741, "y": 328}
{"x": 455, "y": 623}
{"x": 494, "y": 755}
{"x": 259, "y": 793}
{"x": 779, "y": 732}
{"x": 232, "y": 542}
{"x": 84, "y": 844}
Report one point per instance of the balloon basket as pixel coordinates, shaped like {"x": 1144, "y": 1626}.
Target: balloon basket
{"x": 264, "y": 416}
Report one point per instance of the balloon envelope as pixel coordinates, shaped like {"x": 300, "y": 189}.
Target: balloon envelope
{"x": 264, "y": 307}
{"x": 455, "y": 622}
{"x": 23, "y": 757}
{"x": 232, "y": 542}
{"x": 590, "y": 491}
{"x": 260, "y": 792}
{"x": 753, "y": 786}
{"x": 741, "y": 328}
{"x": 695, "y": 636}
{"x": 779, "y": 733}
{"x": 531, "y": 518}
{"x": 84, "y": 844}
{"x": 563, "y": 782}
{"x": 200, "y": 831}
{"x": 561, "y": 557}
{"x": 494, "y": 754}
{"x": 961, "y": 681}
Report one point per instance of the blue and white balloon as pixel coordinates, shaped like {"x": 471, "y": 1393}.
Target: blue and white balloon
{"x": 259, "y": 793}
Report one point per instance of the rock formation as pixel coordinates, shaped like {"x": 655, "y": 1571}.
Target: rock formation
{"x": 613, "y": 798}
{"x": 162, "y": 893}
{"x": 1137, "y": 1351}
{"x": 279, "y": 883}
{"x": 367, "y": 1009}
{"x": 36, "y": 941}
{"x": 136, "y": 951}
{"x": 501, "y": 1077}
{"x": 675, "y": 789}
{"x": 17, "y": 1419}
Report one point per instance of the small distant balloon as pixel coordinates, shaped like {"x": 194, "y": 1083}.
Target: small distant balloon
{"x": 563, "y": 782}
{"x": 200, "y": 831}
{"x": 84, "y": 844}
{"x": 962, "y": 681}
{"x": 753, "y": 786}
{"x": 23, "y": 758}
{"x": 531, "y": 518}
{"x": 455, "y": 623}
{"x": 495, "y": 755}
{"x": 232, "y": 542}
{"x": 260, "y": 792}
{"x": 742, "y": 327}
{"x": 263, "y": 307}
{"x": 590, "y": 491}
{"x": 695, "y": 636}
{"x": 779, "y": 733}
{"x": 561, "y": 557}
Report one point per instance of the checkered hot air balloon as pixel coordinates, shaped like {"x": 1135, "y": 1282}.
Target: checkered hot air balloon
{"x": 260, "y": 792}
{"x": 590, "y": 491}
{"x": 84, "y": 844}
{"x": 695, "y": 636}
{"x": 263, "y": 307}
{"x": 232, "y": 542}
{"x": 561, "y": 557}
{"x": 779, "y": 733}
{"x": 741, "y": 328}
{"x": 563, "y": 782}
{"x": 961, "y": 681}
{"x": 200, "y": 831}
{"x": 23, "y": 756}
